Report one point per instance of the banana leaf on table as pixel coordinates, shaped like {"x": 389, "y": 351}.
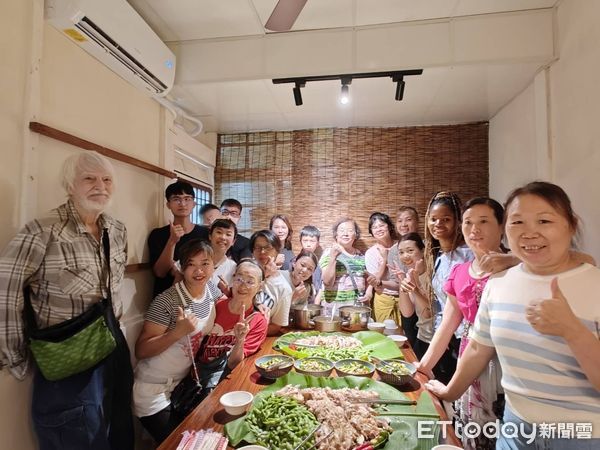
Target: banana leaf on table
{"x": 377, "y": 344}
{"x": 404, "y": 420}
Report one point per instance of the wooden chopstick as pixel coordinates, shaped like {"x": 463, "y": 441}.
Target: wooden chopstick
{"x": 386, "y": 402}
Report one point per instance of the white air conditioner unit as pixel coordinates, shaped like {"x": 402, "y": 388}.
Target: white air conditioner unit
{"x": 115, "y": 34}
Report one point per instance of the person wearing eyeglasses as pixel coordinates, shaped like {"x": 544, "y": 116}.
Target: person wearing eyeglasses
{"x": 232, "y": 209}
{"x": 164, "y": 244}
{"x": 276, "y": 294}
{"x": 238, "y": 331}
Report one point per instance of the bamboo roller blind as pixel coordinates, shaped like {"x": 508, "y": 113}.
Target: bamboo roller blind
{"x": 317, "y": 176}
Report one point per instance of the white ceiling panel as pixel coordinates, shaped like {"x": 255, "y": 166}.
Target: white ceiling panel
{"x": 389, "y": 11}
{"x": 472, "y": 7}
{"x": 202, "y": 19}
{"x": 221, "y": 69}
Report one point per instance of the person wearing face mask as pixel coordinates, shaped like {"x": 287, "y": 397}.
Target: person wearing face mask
{"x": 59, "y": 260}
{"x": 539, "y": 319}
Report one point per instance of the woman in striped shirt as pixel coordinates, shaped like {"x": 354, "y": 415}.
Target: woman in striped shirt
{"x": 541, "y": 319}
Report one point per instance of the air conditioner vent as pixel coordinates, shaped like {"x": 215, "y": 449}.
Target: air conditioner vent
{"x": 115, "y": 34}
{"x": 89, "y": 28}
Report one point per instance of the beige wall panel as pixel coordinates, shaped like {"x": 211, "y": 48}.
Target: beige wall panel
{"x": 83, "y": 97}
{"x": 575, "y": 109}
{"x": 510, "y": 36}
{"x": 405, "y": 47}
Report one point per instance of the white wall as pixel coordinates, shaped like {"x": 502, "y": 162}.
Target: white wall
{"x": 16, "y": 23}
{"x": 550, "y": 131}
{"x": 575, "y": 113}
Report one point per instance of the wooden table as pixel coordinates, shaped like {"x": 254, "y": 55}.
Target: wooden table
{"x": 210, "y": 413}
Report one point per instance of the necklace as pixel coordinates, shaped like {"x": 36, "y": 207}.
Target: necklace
{"x": 476, "y": 270}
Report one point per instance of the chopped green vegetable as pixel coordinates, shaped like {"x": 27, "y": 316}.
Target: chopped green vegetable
{"x": 275, "y": 361}
{"x": 397, "y": 368}
{"x": 313, "y": 365}
{"x": 353, "y": 367}
{"x": 337, "y": 354}
{"x": 280, "y": 422}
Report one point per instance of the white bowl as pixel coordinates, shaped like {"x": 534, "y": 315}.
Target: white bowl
{"x": 252, "y": 447}
{"x": 390, "y": 324}
{"x": 376, "y": 326}
{"x": 446, "y": 447}
{"x": 398, "y": 339}
{"x": 236, "y": 402}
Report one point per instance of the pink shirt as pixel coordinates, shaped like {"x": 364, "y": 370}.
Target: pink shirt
{"x": 467, "y": 291}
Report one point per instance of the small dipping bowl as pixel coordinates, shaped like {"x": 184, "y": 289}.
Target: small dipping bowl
{"x": 325, "y": 372}
{"x": 376, "y": 326}
{"x": 390, "y": 324}
{"x": 369, "y": 368}
{"x": 399, "y": 339}
{"x": 236, "y": 402}
{"x": 282, "y": 365}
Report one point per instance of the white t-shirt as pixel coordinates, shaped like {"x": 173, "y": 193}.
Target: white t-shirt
{"x": 225, "y": 268}
{"x": 542, "y": 379}
{"x": 373, "y": 261}
{"x": 157, "y": 376}
{"x": 278, "y": 298}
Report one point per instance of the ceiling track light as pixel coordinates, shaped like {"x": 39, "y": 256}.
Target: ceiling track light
{"x": 397, "y": 77}
{"x": 298, "y": 93}
{"x": 399, "y": 89}
{"x": 345, "y": 94}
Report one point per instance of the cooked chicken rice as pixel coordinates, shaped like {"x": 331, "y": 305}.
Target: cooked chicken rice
{"x": 332, "y": 341}
{"x": 352, "y": 423}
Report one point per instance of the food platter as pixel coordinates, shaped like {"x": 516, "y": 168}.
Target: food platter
{"x": 372, "y": 344}
{"x": 403, "y": 419}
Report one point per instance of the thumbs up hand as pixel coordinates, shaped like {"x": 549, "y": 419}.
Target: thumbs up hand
{"x": 552, "y": 316}
{"x": 175, "y": 232}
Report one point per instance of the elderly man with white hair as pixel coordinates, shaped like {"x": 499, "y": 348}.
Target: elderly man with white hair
{"x": 60, "y": 261}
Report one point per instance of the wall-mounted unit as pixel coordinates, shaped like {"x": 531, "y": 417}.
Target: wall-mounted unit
{"x": 115, "y": 34}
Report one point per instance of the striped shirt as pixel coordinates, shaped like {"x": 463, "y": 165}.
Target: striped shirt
{"x": 343, "y": 289}
{"x": 541, "y": 377}
{"x": 64, "y": 267}
{"x": 163, "y": 309}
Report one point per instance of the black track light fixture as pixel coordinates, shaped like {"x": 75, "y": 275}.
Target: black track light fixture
{"x": 397, "y": 77}
{"x": 399, "y": 89}
{"x": 298, "y": 93}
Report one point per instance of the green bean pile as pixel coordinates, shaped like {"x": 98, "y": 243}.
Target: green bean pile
{"x": 280, "y": 422}
{"x": 336, "y": 354}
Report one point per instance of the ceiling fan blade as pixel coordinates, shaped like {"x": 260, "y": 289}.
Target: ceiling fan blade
{"x": 284, "y": 15}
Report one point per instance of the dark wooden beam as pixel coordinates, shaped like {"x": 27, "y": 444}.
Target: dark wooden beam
{"x": 87, "y": 145}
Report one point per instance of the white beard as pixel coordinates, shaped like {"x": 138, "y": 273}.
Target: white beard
{"x": 92, "y": 206}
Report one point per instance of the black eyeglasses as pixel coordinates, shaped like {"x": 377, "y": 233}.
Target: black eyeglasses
{"x": 182, "y": 200}
{"x": 229, "y": 212}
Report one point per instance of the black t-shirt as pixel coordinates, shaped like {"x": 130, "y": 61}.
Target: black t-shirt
{"x": 240, "y": 249}
{"x": 156, "y": 243}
